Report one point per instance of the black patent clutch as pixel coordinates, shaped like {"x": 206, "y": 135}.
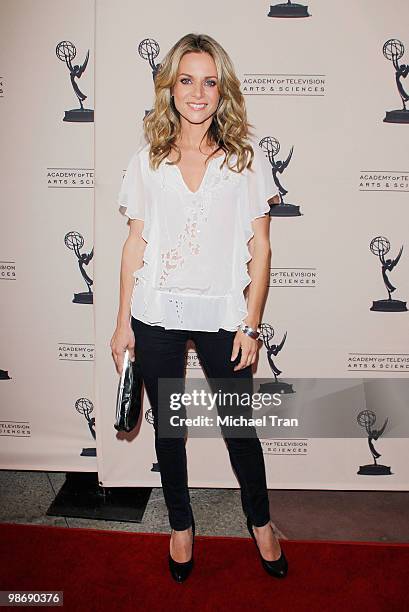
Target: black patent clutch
{"x": 129, "y": 396}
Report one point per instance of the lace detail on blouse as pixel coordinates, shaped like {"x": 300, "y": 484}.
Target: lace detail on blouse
{"x": 188, "y": 241}
{"x": 179, "y": 305}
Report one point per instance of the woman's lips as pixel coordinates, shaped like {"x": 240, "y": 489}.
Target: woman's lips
{"x": 196, "y": 107}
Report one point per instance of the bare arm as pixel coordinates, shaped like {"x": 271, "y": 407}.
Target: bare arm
{"x": 259, "y": 271}
{"x": 259, "y": 268}
{"x": 132, "y": 259}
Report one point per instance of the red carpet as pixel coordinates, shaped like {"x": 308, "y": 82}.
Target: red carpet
{"x": 114, "y": 570}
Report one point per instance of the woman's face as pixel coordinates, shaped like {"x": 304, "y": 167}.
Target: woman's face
{"x": 196, "y": 92}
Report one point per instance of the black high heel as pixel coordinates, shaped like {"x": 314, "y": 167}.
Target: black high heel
{"x": 277, "y": 568}
{"x": 180, "y": 571}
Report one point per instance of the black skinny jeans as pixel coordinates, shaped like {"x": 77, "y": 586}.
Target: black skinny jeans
{"x": 162, "y": 355}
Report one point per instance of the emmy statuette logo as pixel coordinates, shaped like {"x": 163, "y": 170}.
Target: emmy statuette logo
{"x": 74, "y": 241}
{"x": 380, "y": 246}
{"x": 66, "y": 52}
{"x": 278, "y": 386}
{"x": 84, "y": 406}
{"x": 271, "y": 147}
{"x": 288, "y": 9}
{"x": 149, "y": 49}
{"x": 367, "y": 419}
{"x": 149, "y": 419}
{"x": 393, "y": 50}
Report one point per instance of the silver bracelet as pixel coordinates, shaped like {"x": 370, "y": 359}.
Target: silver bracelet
{"x": 249, "y": 331}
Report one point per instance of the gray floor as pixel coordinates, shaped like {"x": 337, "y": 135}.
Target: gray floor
{"x": 373, "y": 516}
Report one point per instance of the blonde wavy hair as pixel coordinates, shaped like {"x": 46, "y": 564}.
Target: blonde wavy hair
{"x": 229, "y": 129}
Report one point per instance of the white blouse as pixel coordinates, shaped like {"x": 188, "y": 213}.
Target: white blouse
{"x": 194, "y": 268}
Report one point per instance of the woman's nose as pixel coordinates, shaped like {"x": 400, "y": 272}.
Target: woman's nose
{"x": 198, "y": 90}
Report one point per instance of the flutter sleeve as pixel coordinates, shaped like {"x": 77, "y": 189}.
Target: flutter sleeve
{"x": 132, "y": 194}
{"x": 260, "y": 184}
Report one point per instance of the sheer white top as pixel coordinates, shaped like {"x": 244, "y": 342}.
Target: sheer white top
{"x": 194, "y": 268}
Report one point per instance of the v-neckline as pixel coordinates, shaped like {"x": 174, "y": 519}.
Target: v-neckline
{"x": 203, "y": 178}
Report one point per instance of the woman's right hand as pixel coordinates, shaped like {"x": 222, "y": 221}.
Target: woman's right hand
{"x": 122, "y": 339}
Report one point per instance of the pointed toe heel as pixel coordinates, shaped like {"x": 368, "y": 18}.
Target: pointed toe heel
{"x": 181, "y": 571}
{"x": 277, "y": 568}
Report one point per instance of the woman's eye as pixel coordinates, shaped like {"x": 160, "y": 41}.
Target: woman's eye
{"x": 210, "y": 82}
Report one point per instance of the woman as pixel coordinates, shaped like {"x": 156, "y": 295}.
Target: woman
{"x": 195, "y": 194}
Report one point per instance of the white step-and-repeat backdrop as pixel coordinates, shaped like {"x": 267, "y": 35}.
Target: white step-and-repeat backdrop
{"x": 325, "y": 88}
{"x": 47, "y": 235}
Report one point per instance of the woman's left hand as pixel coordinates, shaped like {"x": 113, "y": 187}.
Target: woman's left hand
{"x": 249, "y": 347}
